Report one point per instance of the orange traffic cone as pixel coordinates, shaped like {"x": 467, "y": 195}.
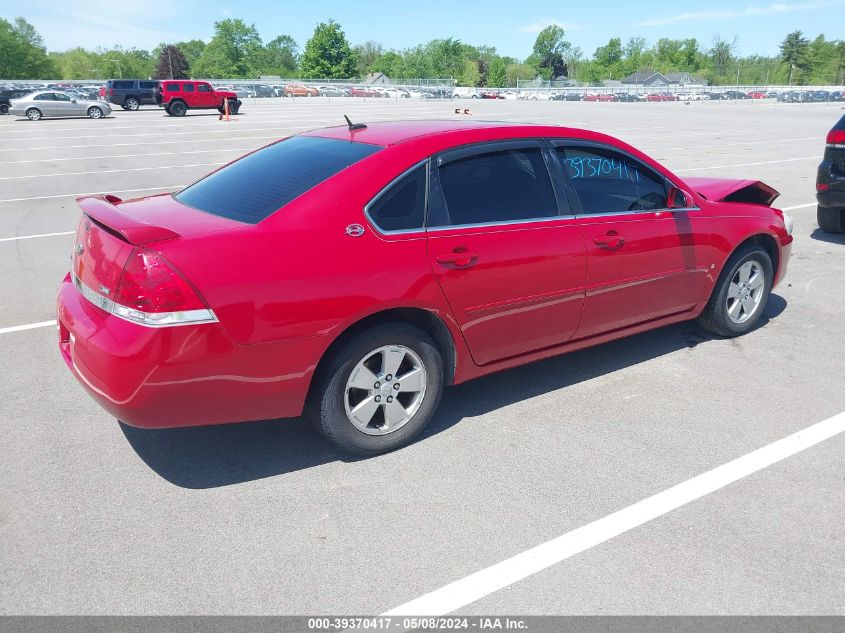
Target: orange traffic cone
{"x": 225, "y": 111}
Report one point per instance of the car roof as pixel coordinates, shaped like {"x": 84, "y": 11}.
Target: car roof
{"x": 392, "y": 132}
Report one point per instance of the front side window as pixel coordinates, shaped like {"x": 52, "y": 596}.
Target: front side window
{"x": 60, "y": 96}
{"x": 254, "y": 187}
{"x": 496, "y": 187}
{"x": 401, "y": 206}
{"x": 171, "y": 87}
{"x": 148, "y": 85}
{"x": 204, "y": 88}
{"x": 187, "y": 87}
{"x": 607, "y": 181}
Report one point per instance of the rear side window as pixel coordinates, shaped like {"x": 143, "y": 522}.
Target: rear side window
{"x": 609, "y": 182}
{"x": 252, "y": 188}
{"x": 401, "y": 206}
{"x": 123, "y": 85}
{"x": 187, "y": 87}
{"x": 504, "y": 186}
{"x": 47, "y": 96}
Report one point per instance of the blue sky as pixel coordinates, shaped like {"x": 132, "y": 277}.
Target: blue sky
{"x": 510, "y": 26}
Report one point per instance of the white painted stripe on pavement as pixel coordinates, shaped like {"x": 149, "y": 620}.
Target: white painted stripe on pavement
{"x": 765, "y": 162}
{"x": 91, "y": 193}
{"x": 797, "y": 206}
{"x": 28, "y": 326}
{"x": 32, "y": 237}
{"x": 482, "y": 583}
{"x": 111, "y": 171}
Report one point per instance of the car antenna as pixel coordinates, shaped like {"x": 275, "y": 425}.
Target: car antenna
{"x": 354, "y": 126}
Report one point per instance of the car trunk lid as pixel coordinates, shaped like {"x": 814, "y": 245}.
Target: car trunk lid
{"x": 110, "y": 230}
{"x": 734, "y": 190}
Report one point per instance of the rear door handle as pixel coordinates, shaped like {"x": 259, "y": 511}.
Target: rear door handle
{"x": 460, "y": 257}
{"x": 611, "y": 241}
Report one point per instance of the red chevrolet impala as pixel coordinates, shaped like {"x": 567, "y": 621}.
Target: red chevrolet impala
{"x": 354, "y": 272}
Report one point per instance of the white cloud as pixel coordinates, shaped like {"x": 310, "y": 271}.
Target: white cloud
{"x": 750, "y": 11}
{"x": 539, "y": 25}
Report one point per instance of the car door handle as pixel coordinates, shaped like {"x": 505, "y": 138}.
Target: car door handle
{"x": 611, "y": 241}
{"x": 460, "y": 257}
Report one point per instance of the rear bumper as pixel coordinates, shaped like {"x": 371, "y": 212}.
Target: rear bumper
{"x": 832, "y": 177}
{"x": 180, "y": 376}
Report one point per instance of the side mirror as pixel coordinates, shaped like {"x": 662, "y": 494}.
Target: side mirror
{"x": 678, "y": 199}
{"x": 73, "y": 100}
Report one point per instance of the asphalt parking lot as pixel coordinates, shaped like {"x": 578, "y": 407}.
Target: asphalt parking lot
{"x": 266, "y": 518}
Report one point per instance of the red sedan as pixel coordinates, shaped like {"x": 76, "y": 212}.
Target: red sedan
{"x": 355, "y": 272}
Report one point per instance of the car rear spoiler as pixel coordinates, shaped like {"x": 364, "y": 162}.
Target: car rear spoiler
{"x": 730, "y": 190}
{"x": 104, "y": 211}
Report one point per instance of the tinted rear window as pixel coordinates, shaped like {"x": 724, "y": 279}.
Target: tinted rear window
{"x": 260, "y": 183}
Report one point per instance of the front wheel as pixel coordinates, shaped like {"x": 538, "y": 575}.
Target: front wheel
{"x": 740, "y": 294}
{"x": 33, "y": 114}
{"x": 831, "y": 220}
{"x": 233, "y": 106}
{"x": 380, "y": 390}
{"x": 94, "y": 112}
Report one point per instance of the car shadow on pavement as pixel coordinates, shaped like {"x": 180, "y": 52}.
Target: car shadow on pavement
{"x": 215, "y": 456}
{"x": 833, "y": 238}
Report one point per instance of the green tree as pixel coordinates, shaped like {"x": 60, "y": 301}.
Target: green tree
{"x": 192, "y": 49}
{"x": 368, "y": 53}
{"x": 328, "y": 54}
{"x": 22, "y": 52}
{"x": 551, "y": 49}
{"x": 78, "y": 63}
{"x": 281, "y": 57}
{"x": 497, "y": 76}
{"x": 389, "y": 63}
{"x": 793, "y": 52}
{"x": 235, "y": 51}
{"x": 608, "y": 60}
{"x": 513, "y": 72}
{"x": 469, "y": 75}
{"x": 171, "y": 64}
{"x": 722, "y": 54}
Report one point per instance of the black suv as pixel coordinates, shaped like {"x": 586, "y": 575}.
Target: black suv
{"x": 830, "y": 182}
{"x": 131, "y": 94}
{"x": 12, "y": 93}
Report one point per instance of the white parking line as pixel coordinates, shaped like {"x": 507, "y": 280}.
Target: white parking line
{"x": 78, "y": 158}
{"x": 28, "y": 326}
{"x": 798, "y": 206}
{"x": 91, "y": 193}
{"x": 32, "y": 237}
{"x": 482, "y": 583}
{"x": 765, "y": 162}
{"x": 111, "y": 171}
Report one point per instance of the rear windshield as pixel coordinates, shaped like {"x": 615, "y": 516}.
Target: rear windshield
{"x": 260, "y": 183}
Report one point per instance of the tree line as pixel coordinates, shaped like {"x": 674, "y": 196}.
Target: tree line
{"x": 236, "y": 51}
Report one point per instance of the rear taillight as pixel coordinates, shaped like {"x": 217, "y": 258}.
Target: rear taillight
{"x": 836, "y": 137}
{"x": 152, "y": 292}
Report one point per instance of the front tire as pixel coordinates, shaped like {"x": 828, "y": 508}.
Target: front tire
{"x": 740, "y": 295}
{"x": 33, "y": 114}
{"x": 380, "y": 389}
{"x": 95, "y": 113}
{"x": 233, "y": 106}
{"x": 831, "y": 220}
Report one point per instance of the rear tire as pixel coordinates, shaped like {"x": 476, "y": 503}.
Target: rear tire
{"x": 132, "y": 104}
{"x": 334, "y": 396}
{"x": 4, "y": 108}
{"x": 735, "y": 305}
{"x": 177, "y": 108}
{"x": 33, "y": 114}
{"x": 831, "y": 220}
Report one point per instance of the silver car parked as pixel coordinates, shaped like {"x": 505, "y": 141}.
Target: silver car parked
{"x": 50, "y": 103}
